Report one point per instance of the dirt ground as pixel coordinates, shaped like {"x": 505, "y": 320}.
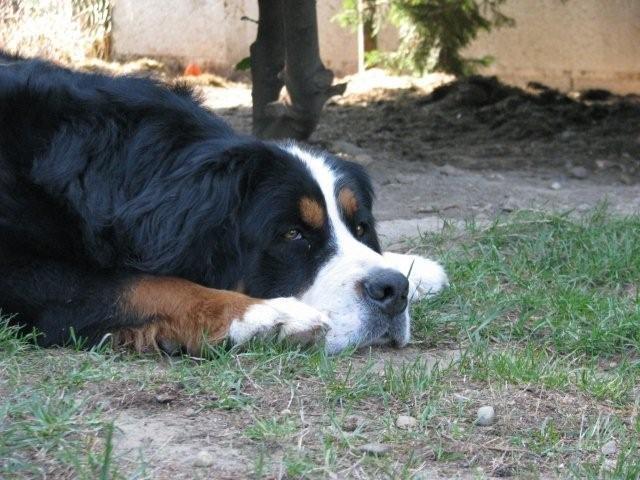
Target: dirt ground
{"x": 167, "y": 427}
{"x": 475, "y": 148}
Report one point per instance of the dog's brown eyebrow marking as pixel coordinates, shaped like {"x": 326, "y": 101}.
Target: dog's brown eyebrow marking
{"x": 348, "y": 201}
{"x": 312, "y": 212}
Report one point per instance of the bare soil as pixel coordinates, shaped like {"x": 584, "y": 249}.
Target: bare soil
{"x": 168, "y": 428}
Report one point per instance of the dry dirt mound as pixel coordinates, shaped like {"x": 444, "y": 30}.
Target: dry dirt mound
{"x": 486, "y": 106}
{"x": 479, "y": 122}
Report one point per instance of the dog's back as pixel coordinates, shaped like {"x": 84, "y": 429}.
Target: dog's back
{"x": 75, "y": 147}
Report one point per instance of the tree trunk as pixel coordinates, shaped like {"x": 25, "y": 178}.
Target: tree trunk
{"x": 308, "y": 82}
{"x": 267, "y": 62}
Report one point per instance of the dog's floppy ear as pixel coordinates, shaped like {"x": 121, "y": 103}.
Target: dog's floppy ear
{"x": 180, "y": 219}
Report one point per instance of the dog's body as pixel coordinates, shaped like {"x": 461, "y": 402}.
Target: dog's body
{"x": 127, "y": 208}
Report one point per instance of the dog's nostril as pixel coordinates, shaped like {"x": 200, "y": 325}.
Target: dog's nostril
{"x": 387, "y": 289}
{"x": 377, "y": 290}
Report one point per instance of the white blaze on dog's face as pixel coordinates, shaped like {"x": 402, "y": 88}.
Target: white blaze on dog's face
{"x": 363, "y": 292}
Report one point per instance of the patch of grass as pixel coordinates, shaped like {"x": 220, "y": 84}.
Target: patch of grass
{"x": 625, "y": 467}
{"x": 12, "y": 341}
{"x": 547, "y": 302}
{"x": 270, "y": 429}
{"x": 563, "y": 283}
{"x": 42, "y": 434}
{"x": 532, "y": 365}
{"x": 543, "y": 313}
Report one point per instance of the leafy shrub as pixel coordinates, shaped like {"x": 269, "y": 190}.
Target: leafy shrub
{"x": 432, "y": 32}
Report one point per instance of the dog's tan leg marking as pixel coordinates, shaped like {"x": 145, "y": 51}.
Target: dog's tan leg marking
{"x": 186, "y": 314}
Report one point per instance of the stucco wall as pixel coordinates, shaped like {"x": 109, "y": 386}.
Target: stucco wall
{"x": 208, "y": 31}
{"x": 212, "y": 32}
{"x": 573, "y": 45}
{"x": 576, "y": 44}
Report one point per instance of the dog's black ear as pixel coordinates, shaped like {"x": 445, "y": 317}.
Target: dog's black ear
{"x": 184, "y": 219}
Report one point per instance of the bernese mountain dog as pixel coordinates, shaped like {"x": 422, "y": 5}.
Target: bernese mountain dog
{"x": 128, "y": 210}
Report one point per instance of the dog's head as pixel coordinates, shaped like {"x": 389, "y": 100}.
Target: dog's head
{"x": 280, "y": 220}
{"x": 308, "y": 231}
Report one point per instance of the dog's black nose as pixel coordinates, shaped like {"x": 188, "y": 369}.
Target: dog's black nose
{"x": 387, "y": 289}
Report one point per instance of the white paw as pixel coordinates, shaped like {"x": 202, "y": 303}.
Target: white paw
{"x": 289, "y": 318}
{"x": 426, "y": 277}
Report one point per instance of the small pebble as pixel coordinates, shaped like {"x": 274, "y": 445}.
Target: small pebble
{"x": 447, "y": 169}
{"x": 165, "y": 397}
{"x": 486, "y": 416}
{"x": 509, "y": 205}
{"x": 567, "y": 135}
{"x": 203, "y": 459}
{"x": 609, "y": 464}
{"x": 348, "y": 148}
{"x": 374, "y": 448}
{"x": 352, "y": 422}
{"x": 556, "y": 186}
{"x": 609, "y": 448}
{"x": 579, "y": 172}
{"x": 604, "y": 164}
{"x": 405, "y": 422}
{"x": 285, "y": 412}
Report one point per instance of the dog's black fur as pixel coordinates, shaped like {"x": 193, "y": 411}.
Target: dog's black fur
{"x": 103, "y": 179}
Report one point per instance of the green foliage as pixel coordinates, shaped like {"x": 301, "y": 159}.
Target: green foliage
{"x": 432, "y": 32}
{"x": 244, "y": 64}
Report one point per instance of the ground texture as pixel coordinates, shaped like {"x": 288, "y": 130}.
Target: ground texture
{"x": 542, "y": 320}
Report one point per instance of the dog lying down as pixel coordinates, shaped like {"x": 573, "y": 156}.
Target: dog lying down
{"x": 128, "y": 208}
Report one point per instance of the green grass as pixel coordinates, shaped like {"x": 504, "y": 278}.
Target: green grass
{"x": 543, "y": 309}
{"x": 571, "y": 285}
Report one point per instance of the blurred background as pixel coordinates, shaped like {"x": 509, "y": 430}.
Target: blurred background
{"x": 569, "y": 45}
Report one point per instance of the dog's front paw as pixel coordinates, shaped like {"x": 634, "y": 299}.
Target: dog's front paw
{"x": 289, "y": 319}
{"x": 426, "y": 277}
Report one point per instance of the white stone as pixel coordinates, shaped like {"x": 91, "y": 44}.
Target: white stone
{"x": 375, "y": 448}
{"x": 486, "y": 415}
{"x": 203, "y": 459}
{"x": 348, "y": 148}
{"x": 406, "y": 422}
{"x": 609, "y": 464}
{"x": 609, "y": 448}
{"x": 579, "y": 172}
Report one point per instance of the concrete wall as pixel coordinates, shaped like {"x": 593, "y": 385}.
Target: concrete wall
{"x": 212, "y": 32}
{"x": 207, "y": 31}
{"x": 573, "y": 45}
{"x": 576, "y": 44}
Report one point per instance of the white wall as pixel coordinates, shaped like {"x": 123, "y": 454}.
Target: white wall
{"x": 207, "y": 31}
{"x": 576, "y": 44}
{"x": 211, "y": 32}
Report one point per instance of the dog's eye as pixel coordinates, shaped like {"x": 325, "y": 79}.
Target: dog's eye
{"x": 293, "y": 234}
{"x": 361, "y": 229}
